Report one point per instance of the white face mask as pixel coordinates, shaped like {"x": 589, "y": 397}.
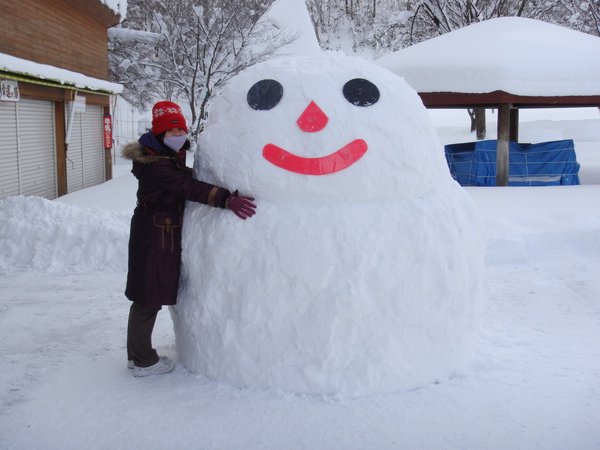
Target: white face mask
{"x": 175, "y": 142}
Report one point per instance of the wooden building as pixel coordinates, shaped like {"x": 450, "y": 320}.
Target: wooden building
{"x": 54, "y": 96}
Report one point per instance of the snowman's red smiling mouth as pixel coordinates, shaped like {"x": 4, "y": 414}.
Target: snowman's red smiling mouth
{"x": 324, "y": 165}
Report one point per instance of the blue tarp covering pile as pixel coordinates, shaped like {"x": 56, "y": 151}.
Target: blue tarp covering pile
{"x": 543, "y": 164}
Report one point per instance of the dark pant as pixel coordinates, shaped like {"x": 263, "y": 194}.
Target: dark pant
{"x": 139, "y": 334}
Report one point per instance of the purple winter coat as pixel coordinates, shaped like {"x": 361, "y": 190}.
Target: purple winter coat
{"x": 164, "y": 184}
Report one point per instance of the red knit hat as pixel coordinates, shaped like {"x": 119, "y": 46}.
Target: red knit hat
{"x": 167, "y": 115}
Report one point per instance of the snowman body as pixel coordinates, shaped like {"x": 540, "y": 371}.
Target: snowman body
{"x": 361, "y": 271}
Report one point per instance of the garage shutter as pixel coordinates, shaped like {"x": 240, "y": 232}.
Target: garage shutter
{"x": 93, "y": 146}
{"x": 9, "y": 159}
{"x": 85, "y": 156}
{"x": 27, "y": 149}
{"x": 36, "y": 148}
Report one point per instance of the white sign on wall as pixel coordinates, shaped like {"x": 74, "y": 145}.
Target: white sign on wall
{"x": 78, "y": 104}
{"x": 9, "y": 90}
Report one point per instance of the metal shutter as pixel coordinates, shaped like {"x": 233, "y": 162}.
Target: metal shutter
{"x": 27, "y": 149}
{"x": 37, "y": 163}
{"x": 9, "y": 158}
{"x": 85, "y": 155}
{"x": 93, "y": 146}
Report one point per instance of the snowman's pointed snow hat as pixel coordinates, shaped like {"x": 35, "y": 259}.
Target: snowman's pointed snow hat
{"x": 289, "y": 21}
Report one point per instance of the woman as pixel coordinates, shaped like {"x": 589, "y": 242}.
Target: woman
{"x": 164, "y": 185}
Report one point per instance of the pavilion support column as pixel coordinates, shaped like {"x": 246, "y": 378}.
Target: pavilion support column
{"x": 502, "y": 145}
{"x": 514, "y": 124}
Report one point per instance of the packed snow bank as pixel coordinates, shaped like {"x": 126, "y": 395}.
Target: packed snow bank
{"x": 361, "y": 272}
{"x": 521, "y": 224}
{"x": 534, "y": 223}
{"x": 118, "y": 194}
{"x": 46, "y": 235}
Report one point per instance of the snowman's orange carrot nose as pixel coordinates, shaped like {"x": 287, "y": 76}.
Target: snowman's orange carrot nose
{"x": 312, "y": 119}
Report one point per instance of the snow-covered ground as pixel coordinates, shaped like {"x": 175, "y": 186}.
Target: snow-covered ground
{"x": 534, "y": 383}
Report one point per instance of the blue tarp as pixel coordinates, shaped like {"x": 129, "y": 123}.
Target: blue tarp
{"x": 542, "y": 164}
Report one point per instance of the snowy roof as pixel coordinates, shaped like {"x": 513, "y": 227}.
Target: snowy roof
{"x": 19, "y": 66}
{"x": 117, "y": 6}
{"x": 128, "y": 34}
{"x": 516, "y": 55}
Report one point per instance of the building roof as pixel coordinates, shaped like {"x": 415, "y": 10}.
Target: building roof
{"x": 24, "y": 70}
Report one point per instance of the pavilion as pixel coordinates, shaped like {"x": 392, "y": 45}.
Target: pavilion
{"x": 506, "y": 63}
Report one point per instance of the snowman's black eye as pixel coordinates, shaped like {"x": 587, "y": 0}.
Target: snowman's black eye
{"x": 265, "y": 95}
{"x": 361, "y": 92}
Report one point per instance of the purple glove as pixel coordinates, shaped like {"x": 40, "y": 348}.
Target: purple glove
{"x": 241, "y": 206}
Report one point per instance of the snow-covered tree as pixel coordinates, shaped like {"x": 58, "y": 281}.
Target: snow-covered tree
{"x": 199, "y": 45}
{"x": 368, "y": 27}
{"x": 375, "y": 27}
{"x": 576, "y": 14}
{"x": 437, "y": 17}
{"x": 433, "y": 17}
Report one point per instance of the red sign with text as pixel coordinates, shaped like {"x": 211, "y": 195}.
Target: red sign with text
{"x": 107, "y": 131}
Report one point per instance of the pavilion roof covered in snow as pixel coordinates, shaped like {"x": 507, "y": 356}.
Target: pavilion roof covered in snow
{"x": 506, "y": 63}
{"x": 508, "y": 60}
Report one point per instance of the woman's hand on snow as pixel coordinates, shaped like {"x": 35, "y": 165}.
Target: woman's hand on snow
{"x": 243, "y": 207}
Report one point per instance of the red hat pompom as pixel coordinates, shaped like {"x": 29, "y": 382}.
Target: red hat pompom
{"x": 167, "y": 115}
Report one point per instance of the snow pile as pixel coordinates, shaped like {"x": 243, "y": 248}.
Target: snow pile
{"x": 539, "y": 223}
{"x": 118, "y": 194}
{"x": 513, "y": 54}
{"x": 361, "y": 272}
{"x": 44, "y": 235}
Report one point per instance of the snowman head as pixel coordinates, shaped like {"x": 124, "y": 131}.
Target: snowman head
{"x": 321, "y": 129}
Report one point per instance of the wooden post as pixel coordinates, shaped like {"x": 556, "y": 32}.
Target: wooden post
{"x": 61, "y": 151}
{"x": 514, "y": 124}
{"x": 502, "y": 145}
{"x": 480, "y": 123}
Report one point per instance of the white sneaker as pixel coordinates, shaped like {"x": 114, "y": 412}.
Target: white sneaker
{"x": 164, "y": 365}
{"x": 130, "y": 364}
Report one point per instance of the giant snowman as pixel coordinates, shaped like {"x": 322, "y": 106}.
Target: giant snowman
{"x": 361, "y": 271}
